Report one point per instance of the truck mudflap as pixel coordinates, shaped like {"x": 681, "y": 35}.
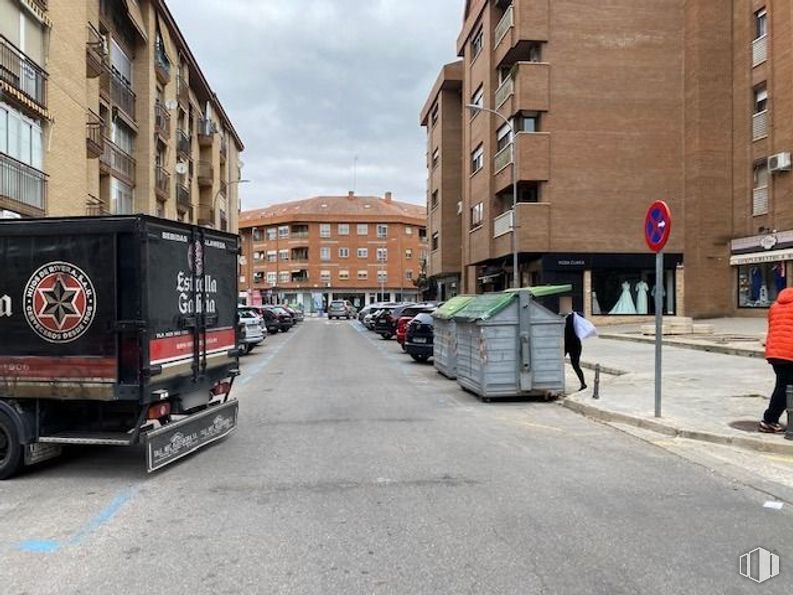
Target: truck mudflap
{"x": 176, "y": 440}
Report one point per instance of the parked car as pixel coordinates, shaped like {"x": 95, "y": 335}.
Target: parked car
{"x": 269, "y": 319}
{"x": 295, "y": 313}
{"x": 385, "y": 322}
{"x": 339, "y": 309}
{"x": 407, "y": 314}
{"x": 419, "y": 337}
{"x": 251, "y": 329}
{"x": 368, "y": 320}
{"x": 283, "y": 318}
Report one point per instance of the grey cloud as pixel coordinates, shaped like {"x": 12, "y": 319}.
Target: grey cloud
{"x": 310, "y": 84}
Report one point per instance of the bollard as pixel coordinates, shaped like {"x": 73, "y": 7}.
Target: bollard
{"x": 789, "y": 429}
{"x": 596, "y": 390}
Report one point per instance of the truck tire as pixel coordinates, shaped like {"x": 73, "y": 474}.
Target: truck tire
{"x": 11, "y": 451}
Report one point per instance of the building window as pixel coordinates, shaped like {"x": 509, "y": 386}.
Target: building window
{"x": 436, "y": 157}
{"x": 382, "y": 276}
{"x": 284, "y": 277}
{"x": 362, "y": 275}
{"x": 344, "y": 252}
{"x": 408, "y": 275}
{"x": 363, "y": 252}
{"x": 324, "y": 276}
{"x": 423, "y": 234}
{"x": 324, "y": 253}
{"x": 272, "y": 256}
{"x": 477, "y": 214}
{"x": 257, "y": 235}
{"x": 478, "y": 99}
{"x": 435, "y": 238}
{"x": 503, "y": 137}
{"x": 760, "y": 284}
{"x": 344, "y": 229}
{"x": 477, "y": 159}
{"x": 760, "y": 189}
{"x": 272, "y": 234}
{"x": 21, "y": 139}
{"x": 382, "y": 230}
{"x": 362, "y": 229}
{"x": 382, "y": 254}
{"x": 434, "y": 202}
{"x": 535, "y": 52}
{"x": 272, "y": 278}
{"x": 121, "y": 198}
{"x": 283, "y": 232}
{"x": 324, "y": 230}
{"x": 760, "y": 99}
{"x": 283, "y": 255}
{"x": 618, "y": 291}
{"x": 258, "y": 277}
{"x": 344, "y": 275}
{"x": 527, "y": 122}
{"x": 434, "y": 114}
{"x": 477, "y": 43}
{"x": 761, "y": 23}
{"x": 408, "y": 253}
{"x": 409, "y": 230}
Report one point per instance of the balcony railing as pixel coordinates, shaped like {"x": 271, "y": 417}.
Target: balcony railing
{"x": 503, "y": 158}
{"x": 116, "y": 89}
{"x": 96, "y": 54}
{"x": 182, "y": 91}
{"x": 224, "y": 188}
{"x": 96, "y": 207}
{"x": 506, "y": 89}
{"x": 298, "y": 235}
{"x": 502, "y": 224}
{"x": 117, "y": 162}
{"x": 759, "y": 50}
{"x": 223, "y": 149}
{"x": 183, "y": 144}
{"x": 22, "y": 184}
{"x": 206, "y": 132}
{"x": 760, "y": 125}
{"x": 760, "y": 201}
{"x": 162, "y": 182}
{"x": 183, "y": 202}
{"x": 42, "y": 4}
{"x": 24, "y": 75}
{"x": 206, "y": 173}
{"x": 507, "y": 21}
{"x": 94, "y": 136}
{"x": 162, "y": 68}
{"x": 162, "y": 120}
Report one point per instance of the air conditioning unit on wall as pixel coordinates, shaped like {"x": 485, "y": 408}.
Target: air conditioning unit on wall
{"x": 779, "y": 162}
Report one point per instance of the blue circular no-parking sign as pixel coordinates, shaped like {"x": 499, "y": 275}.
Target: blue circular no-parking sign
{"x": 657, "y": 225}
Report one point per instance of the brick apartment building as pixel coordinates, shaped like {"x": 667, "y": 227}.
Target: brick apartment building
{"x": 104, "y": 110}
{"x": 614, "y": 107}
{"x": 359, "y": 248}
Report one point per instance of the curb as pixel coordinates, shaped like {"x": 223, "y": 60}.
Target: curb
{"x": 784, "y": 447}
{"x": 682, "y": 345}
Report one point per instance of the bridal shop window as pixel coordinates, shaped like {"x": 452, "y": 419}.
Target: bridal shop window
{"x": 630, "y": 292}
{"x": 759, "y": 284}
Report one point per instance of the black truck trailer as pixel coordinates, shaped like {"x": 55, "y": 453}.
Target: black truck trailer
{"x": 115, "y": 331}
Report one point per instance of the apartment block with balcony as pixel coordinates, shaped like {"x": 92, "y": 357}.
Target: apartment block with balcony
{"x": 442, "y": 119}
{"x": 311, "y": 251}
{"x": 125, "y": 109}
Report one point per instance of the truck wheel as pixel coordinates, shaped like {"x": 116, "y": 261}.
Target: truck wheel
{"x": 11, "y": 451}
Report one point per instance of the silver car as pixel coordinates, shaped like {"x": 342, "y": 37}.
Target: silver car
{"x": 339, "y": 309}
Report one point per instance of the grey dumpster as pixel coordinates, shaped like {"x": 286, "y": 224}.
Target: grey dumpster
{"x": 508, "y": 345}
{"x": 444, "y": 354}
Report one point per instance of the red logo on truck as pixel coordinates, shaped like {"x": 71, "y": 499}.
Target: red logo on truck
{"x": 60, "y": 302}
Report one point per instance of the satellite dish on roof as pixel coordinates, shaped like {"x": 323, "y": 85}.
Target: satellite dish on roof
{"x": 181, "y": 168}
{"x": 171, "y": 104}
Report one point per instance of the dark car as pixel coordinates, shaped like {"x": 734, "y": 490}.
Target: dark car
{"x": 385, "y": 323}
{"x": 406, "y": 315}
{"x": 271, "y": 322}
{"x": 295, "y": 313}
{"x": 419, "y": 337}
{"x": 283, "y": 317}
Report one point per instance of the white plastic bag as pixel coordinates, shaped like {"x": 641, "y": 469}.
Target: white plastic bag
{"x": 583, "y": 328}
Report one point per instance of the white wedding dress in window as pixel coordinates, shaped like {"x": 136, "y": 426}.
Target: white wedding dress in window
{"x": 625, "y": 304}
{"x": 641, "y": 297}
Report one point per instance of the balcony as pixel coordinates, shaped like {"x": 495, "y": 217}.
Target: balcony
{"x": 760, "y": 125}
{"x": 759, "y": 50}
{"x": 96, "y": 55}
{"x": 162, "y": 182}
{"x": 224, "y": 188}
{"x": 117, "y": 163}
{"x": 532, "y": 150}
{"x": 94, "y": 136}
{"x": 115, "y": 90}
{"x": 162, "y": 121}
{"x": 206, "y": 132}
{"x": 206, "y": 173}
{"x": 533, "y": 227}
{"x": 183, "y": 201}
{"x": 760, "y": 201}
{"x": 223, "y": 150}
{"x": 183, "y": 144}
{"x": 22, "y": 188}
{"x": 300, "y": 276}
{"x": 96, "y": 207}
{"x": 206, "y": 216}
{"x": 162, "y": 68}
{"x": 523, "y": 23}
{"x": 528, "y": 89}
{"x": 182, "y": 91}
{"x": 21, "y": 78}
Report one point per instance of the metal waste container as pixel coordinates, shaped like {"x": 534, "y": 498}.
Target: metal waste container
{"x": 444, "y": 354}
{"x": 508, "y": 345}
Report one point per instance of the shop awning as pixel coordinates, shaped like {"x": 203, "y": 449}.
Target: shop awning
{"x": 136, "y": 16}
{"x": 760, "y": 257}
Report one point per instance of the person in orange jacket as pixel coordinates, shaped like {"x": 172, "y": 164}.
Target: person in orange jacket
{"x": 779, "y": 353}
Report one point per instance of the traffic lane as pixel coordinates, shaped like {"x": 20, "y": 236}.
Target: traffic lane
{"x": 56, "y": 504}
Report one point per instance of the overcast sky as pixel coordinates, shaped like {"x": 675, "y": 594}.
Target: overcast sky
{"x": 310, "y": 84}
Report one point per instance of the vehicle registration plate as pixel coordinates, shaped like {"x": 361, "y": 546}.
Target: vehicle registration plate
{"x": 419, "y": 339}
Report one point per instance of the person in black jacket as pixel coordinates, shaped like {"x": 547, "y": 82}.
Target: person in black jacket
{"x": 572, "y": 344}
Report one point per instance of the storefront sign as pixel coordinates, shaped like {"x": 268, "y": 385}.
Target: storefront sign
{"x": 760, "y": 257}
{"x": 768, "y": 242}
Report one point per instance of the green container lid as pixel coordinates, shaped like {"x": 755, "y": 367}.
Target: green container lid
{"x": 543, "y": 290}
{"x": 452, "y": 306}
{"x": 487, "y": 305}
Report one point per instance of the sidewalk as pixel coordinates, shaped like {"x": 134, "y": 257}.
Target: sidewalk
{"x": 706, "y": 396}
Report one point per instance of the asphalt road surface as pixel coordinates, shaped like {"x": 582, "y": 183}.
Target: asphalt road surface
{"x": 355, "y": 470}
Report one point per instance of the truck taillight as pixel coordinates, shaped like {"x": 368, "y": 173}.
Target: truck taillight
{"x": 221, "y": 388}
{"x": 159, "y": 410}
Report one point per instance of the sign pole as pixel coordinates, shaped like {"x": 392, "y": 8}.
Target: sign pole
{"x": 659, "y": 323}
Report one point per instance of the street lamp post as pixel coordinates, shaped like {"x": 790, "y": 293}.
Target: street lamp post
{"x": 479, "y": 108}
